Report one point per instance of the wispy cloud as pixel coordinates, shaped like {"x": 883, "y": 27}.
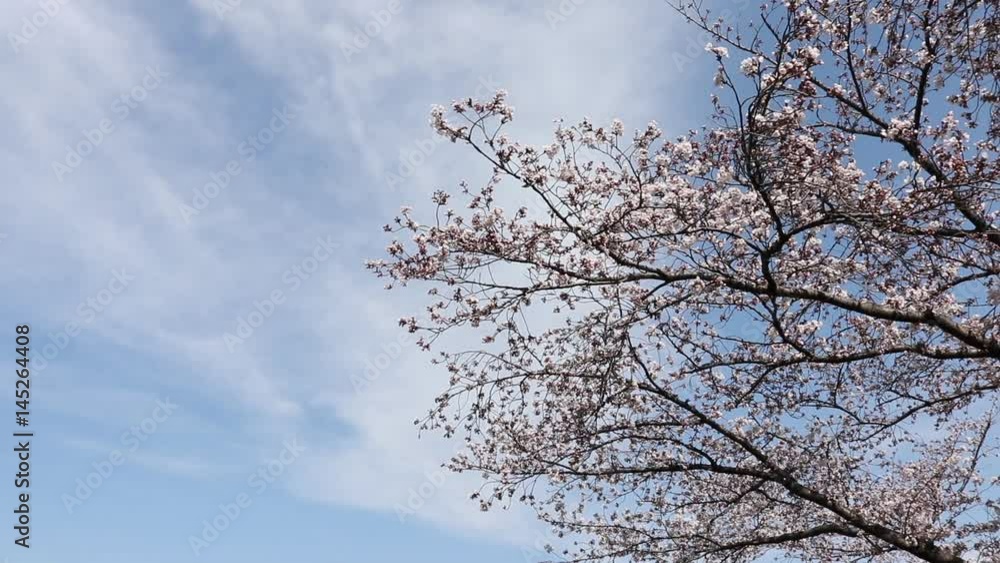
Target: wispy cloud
{"x": 144, "y": 200}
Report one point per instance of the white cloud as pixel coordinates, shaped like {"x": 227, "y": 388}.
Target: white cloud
{"x": 119, "y": 208}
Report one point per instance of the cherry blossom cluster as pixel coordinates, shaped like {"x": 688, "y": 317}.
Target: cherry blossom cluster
{"x": 776, "y": 333}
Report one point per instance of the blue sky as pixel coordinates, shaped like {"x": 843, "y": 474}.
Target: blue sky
{"x": 132, "y": 271}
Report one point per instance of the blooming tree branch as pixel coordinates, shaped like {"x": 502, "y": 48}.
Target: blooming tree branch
{"x": 754, "y": 337}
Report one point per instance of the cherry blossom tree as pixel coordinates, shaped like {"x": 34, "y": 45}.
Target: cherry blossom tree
{"x": 776, "y": 335}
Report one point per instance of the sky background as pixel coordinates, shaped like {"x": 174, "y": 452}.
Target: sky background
{"x": 354, "y": 145}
